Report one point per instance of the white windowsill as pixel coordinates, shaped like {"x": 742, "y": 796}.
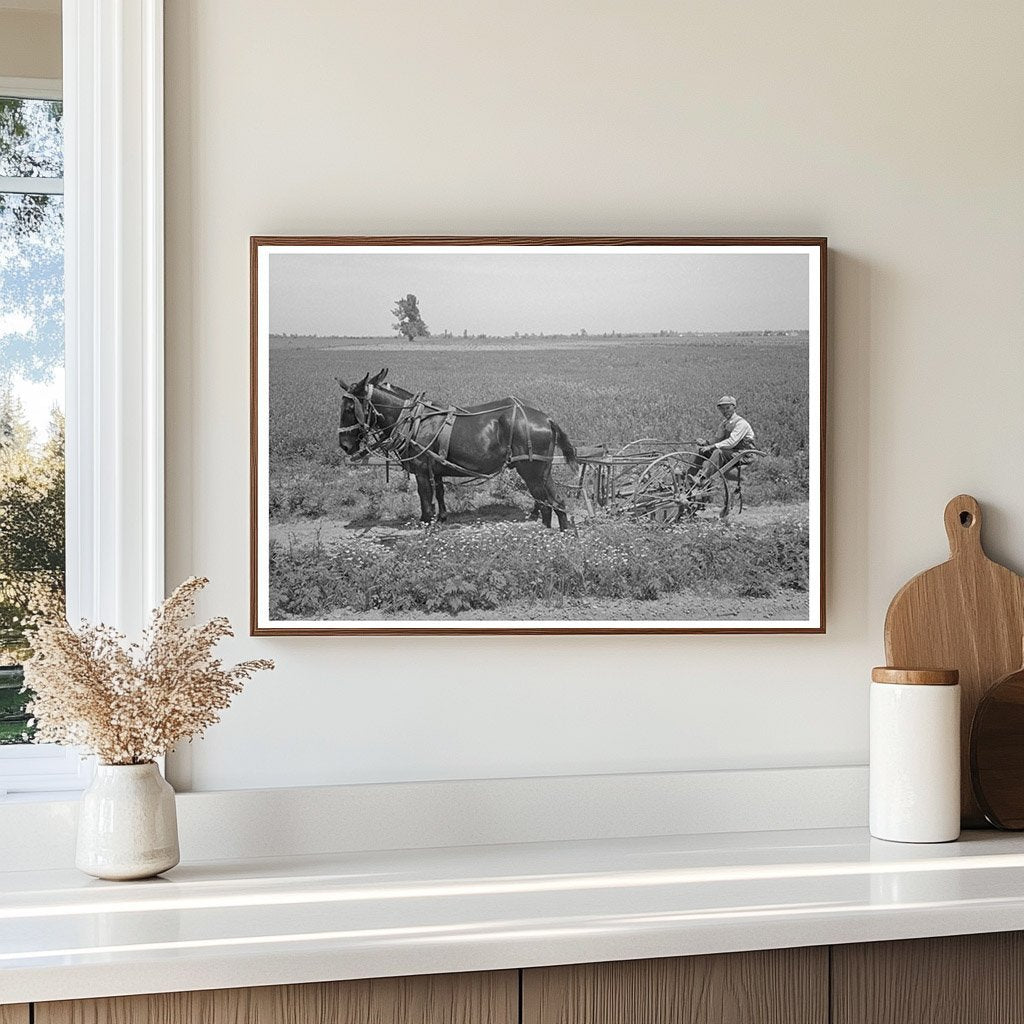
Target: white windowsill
{"x": 42, "y": 771}
{"x": 47, "y": 797}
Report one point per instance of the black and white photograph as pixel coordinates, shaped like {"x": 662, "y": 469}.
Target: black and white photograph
{"x": 537, "y": 435}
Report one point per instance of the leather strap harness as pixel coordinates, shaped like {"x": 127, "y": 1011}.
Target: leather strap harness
{"x": 401, "y": 442}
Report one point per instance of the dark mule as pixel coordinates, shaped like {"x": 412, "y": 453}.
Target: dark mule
{"x": 433, "y": 442}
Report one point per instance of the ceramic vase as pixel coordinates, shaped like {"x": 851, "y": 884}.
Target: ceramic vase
{"x": 127, "y": 825}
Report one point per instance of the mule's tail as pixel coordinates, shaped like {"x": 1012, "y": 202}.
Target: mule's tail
{"x": 563, "y": 442}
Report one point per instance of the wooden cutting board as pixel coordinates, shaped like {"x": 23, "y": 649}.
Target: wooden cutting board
{"x": 967, "y": 614}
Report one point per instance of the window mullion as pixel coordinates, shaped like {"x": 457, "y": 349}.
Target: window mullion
{"x": 32, "y": 186}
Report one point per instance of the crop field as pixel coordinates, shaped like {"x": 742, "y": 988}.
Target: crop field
{"x": 613, "y": 393}
{"x": 345, "y": 543}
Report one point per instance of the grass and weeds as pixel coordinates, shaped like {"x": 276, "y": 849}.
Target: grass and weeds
{"x": 485, "y": 566}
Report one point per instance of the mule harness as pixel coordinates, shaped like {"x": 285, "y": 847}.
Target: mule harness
{"x": 400, "y": 441}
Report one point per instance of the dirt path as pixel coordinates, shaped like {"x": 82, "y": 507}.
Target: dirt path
{"x": 332, "y": 533}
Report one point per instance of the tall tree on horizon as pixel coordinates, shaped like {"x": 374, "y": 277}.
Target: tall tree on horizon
{"x": 409, "y": 321}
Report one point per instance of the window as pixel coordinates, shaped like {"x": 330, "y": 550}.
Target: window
{"x": 32, "y": 530}
{"x": 112, "y": 211}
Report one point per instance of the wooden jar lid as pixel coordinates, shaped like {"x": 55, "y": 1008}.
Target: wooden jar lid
{"x": 916, "y": 676}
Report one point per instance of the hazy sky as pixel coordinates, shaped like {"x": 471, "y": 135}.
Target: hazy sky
{"x": 551, "y": 292}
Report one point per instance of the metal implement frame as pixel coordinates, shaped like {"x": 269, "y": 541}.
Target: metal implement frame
{"x": 645, "y": 479}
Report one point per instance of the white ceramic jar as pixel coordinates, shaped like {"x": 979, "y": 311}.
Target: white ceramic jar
{"x": 915, "y": 755}
{"x": 127, "y": 823}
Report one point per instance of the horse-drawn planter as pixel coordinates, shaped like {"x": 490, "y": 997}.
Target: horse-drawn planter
{"x": 648, "y": 479}
{"x": 659, "y": 481}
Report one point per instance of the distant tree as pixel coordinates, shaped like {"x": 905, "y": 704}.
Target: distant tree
{"x": 15, "y": 429}
{"x": 409, "y": 322}
{"x": 31, "y": 524}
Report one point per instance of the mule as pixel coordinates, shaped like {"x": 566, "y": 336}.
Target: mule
{"x": 433, "y": 442}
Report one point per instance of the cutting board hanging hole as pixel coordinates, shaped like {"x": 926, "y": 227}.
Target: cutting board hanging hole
{"x": 963, "y": 525}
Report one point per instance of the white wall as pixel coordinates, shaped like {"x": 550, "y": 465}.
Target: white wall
{"x": 895, "y": 129}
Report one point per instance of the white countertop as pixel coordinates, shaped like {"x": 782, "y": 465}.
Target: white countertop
{"x": 298, "y": 919}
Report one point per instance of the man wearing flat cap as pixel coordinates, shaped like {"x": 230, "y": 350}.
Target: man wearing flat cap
{"x": 735, "y": 435}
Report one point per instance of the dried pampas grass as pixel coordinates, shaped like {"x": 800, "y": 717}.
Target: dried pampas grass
{"x": 129, "y": 703}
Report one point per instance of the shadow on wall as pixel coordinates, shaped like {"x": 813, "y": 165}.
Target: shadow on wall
{"x": 853, "y": 286}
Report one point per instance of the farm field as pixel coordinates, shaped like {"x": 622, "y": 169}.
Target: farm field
{"x": 596, "y": 391}
{"x": 345, "y": 543}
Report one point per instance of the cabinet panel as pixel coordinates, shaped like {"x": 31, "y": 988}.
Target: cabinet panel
{"x": 961, "y": 979}
{"x": 14, "y": 1014}
{"x": 778, "y": 986}
{"x": 482, "y": 998}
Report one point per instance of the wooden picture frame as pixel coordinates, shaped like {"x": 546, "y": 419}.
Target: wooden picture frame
{"x": 333, "y": 553}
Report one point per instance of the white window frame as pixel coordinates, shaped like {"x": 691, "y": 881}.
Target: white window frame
{"x": 114, "y": 348}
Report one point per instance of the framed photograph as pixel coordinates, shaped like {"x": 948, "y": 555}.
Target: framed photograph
{"x": 537, "y": 435}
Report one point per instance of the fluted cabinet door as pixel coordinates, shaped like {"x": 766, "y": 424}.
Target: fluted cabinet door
{"x": 14, "y": 1014}
{"x": 778, "y": 986}
{"x": 960, "y": 979}
{"x": 483, "y": 998}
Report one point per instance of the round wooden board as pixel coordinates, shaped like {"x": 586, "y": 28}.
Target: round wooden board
{"x": 997, "y": 752}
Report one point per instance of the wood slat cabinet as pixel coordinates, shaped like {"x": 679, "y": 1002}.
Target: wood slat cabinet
{"x": 776, "y": 986}
{"x": 967, "y": 979}
{"x": 480, "y": 998}
{"x": 961, "y": 979}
